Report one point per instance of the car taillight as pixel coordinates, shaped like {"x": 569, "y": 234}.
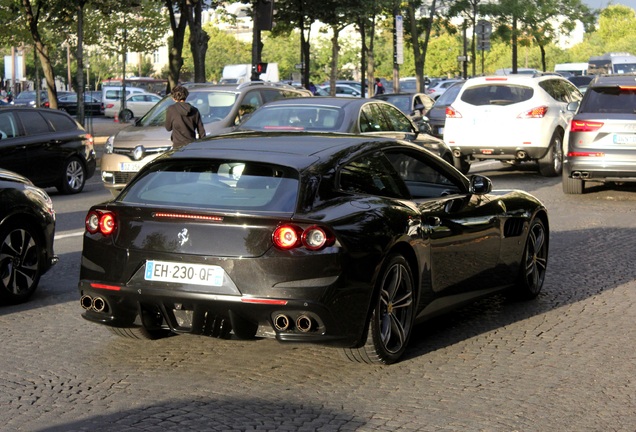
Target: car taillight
{"x": 110, "y": 105}
{"x": 452, "y": 113}
{"x": 46, "y": 104}
{"x": 290, "y": 236}
{"x": 584, "y": 126}
{"x": 100, "y": 221}
{"x": 586, "y": 154}
{"x": 538, "y": 112}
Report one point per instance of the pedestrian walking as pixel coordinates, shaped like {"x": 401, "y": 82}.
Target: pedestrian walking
{"x": 183, "y": 120}
{"x": 379, "y": 88}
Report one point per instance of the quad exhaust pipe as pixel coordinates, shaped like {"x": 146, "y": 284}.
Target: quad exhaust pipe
{"x": 96, "y": 304}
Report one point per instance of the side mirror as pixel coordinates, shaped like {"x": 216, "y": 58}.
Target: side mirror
{"x": 480, "y": 185}
{"x": 573, "y": 106}
{"x": 423, "y": 126}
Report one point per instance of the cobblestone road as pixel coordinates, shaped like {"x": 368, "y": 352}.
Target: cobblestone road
{"x": 565, "y": 362}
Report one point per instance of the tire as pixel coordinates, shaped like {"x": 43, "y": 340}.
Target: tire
{"x": 533, "y": 263}
{"x": 73, "y": 177}
{"x": 21, "y": 259}
{"x": 572, "y": 186}
{"x": 392, "y": 317}
{"x": 139, "y": 333}
{"x": 461, "y": 164}
{"x": 551, "y": 164}
{"x": 125, "y": 116}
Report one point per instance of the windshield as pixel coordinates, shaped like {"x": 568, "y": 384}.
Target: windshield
{"x": 295, "y": 118}
{"x": 449, "y": 95}
{"x": 213, "y": 106}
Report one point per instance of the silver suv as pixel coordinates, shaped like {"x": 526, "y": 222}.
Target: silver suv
{"x": 602, "y": 144}
{"x": 221, "y": 108}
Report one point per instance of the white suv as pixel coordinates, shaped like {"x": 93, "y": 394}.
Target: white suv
{"x": 513, "y": 118}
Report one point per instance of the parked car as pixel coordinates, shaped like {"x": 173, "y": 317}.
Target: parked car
{"x": 137, "y": 105}
{"x": 29, "y": 98}
{"x": 48, "y": 147}
{"x": 602, "y": 142}
{"x": 342, "y": 90}
{"x": 513, "y": 118}
{"x": 344, "y": 115}
{"x": 27, "y": 228}
{"x": 68, "y": 102}
{"x": 437, "y": 114}
{"x": 221, "y": 108}
{"x": 113, "y": 94}
{"x": 414, "y": 105}
{"x": 320, "y": 238}
{"x": 438, "y": 87}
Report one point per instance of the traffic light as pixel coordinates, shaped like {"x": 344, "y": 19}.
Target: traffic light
{"x": 260, "y": 68}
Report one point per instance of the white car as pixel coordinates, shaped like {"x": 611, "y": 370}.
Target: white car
{"x": 438, "y": 87}
{"x": 513, "y": 118}
{"x": 137, "y": 105}
{"x": 342, "y": 90}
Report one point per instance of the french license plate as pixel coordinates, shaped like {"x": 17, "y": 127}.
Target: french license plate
{"x": 130, "y": 166}
{"x": 624, "y": 139}
{"x": 182, "y": 273}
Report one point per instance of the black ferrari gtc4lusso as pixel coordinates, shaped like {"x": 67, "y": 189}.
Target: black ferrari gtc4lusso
{"x": 335, "y": 239}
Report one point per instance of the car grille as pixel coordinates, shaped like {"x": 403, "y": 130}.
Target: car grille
{"x": 123, "y": 177}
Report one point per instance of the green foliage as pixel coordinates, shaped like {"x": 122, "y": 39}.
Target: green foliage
{"x": 223, "y": 49}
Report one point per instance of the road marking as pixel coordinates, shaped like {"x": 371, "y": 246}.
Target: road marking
{"x": 67, "y": 234}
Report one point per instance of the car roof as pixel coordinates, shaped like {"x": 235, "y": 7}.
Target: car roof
{"x": 298, "y": 149}
{"x": 332, "y": 101}
{"x": 613, "y": 80}
{"x": 515, "y": 79}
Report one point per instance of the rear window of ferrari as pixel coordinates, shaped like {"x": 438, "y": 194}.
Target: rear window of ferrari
{"x": 227, "y": 185}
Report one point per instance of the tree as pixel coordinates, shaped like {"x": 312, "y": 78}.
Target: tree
{"x": 176, "y": 41}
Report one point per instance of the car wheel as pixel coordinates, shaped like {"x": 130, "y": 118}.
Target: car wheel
{"x": 141, "y": 333}
{"x": 572, "y": 186}
{"x": 461, "y": 164}
{"x": 551, "y": 164}
{"x": 391, "y": 320}
{"x": 73, "y": 177}
{"x": 20, "y": 262}
{"x": 125, "y": 116}
{"x": 533, "y": 262}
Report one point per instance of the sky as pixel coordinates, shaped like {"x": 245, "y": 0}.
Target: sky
{"x": 602, "y": 4}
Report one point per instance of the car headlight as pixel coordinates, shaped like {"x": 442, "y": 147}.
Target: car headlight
{"x": 108, "y": 147}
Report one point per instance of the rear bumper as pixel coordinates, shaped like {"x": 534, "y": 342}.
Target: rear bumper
{"x": 499, "y": 153}
{"x": 304, "y": 318}
{"x": 597, "y": 169}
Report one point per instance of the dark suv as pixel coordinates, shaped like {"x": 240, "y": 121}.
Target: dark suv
{"x": 46, "y": 146}
{"x": 602, "y": 144}
{"x": 221, "y": 108}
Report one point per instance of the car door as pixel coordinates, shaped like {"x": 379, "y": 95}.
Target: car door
{"x": 461, "y": 229}
{"x": 46, "y": 148}
{"x": 13, "y": 155}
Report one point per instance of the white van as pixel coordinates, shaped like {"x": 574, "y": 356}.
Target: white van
{"x": 111, "y": 95}
{"x": 568, "y": 69}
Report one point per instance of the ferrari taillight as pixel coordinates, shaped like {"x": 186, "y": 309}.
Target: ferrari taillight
{"x": 289, "y": 236}
{"x": 103, "y": 222}
{"x": 584, "y": 126}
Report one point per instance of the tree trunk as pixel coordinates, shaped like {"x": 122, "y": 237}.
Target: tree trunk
{"x": 363, "y": 56}
{"x": 175, "y": 56}
{"x": 80, "y": 63}
{"x": 335, "y": 49}
{"x": 542, "y": 48}
{"x": 198, "y": 40}
{"x": 417, "y": 53}
{"x": 43, "y": 53}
